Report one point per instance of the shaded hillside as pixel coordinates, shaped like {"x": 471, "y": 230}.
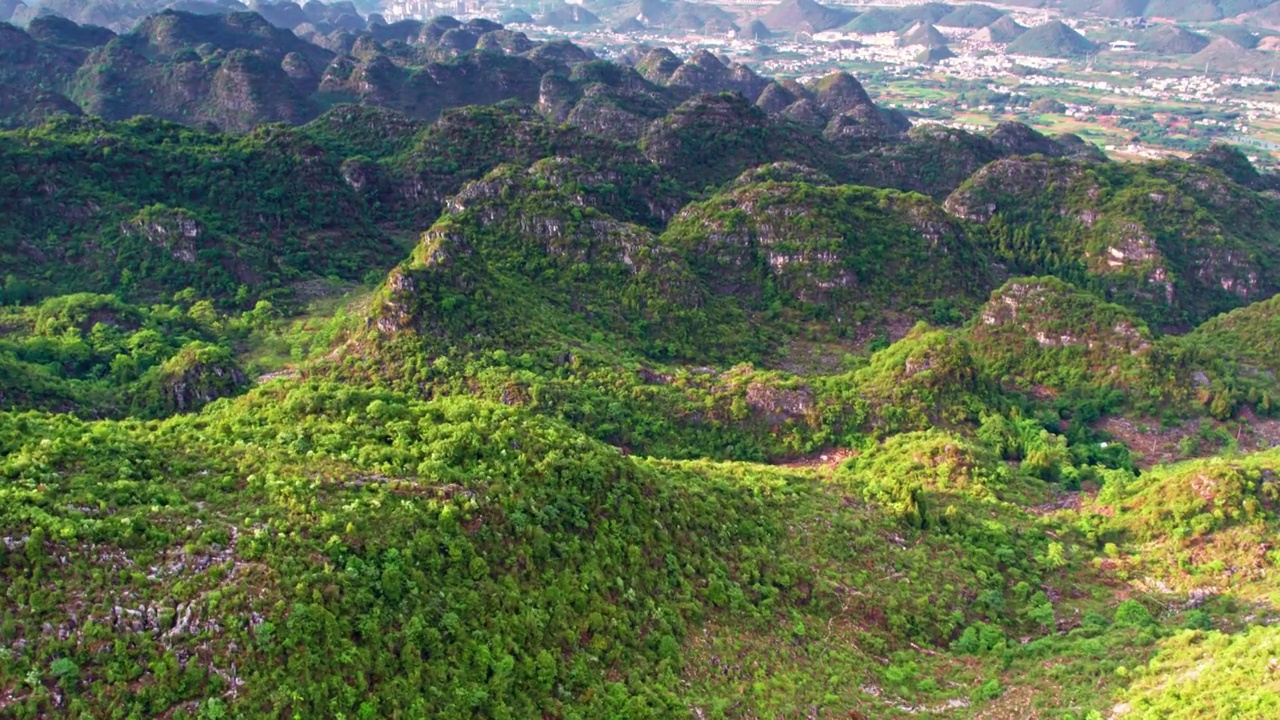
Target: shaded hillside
{"x": 466, "y": 143}
{"x": 693, "y": 146}
{"x": 57, "y": 30}
{"x": 238, "y": 71}
{"x": 241, "y": 81}
{"x": 149, "y": 208}
{"x": 31, "y": 74}
{"x": 608, "y": 100}
{"x": 1235, "y": 165}
{"x": 935, "y": 160}
{"x": 1179, "y": 243}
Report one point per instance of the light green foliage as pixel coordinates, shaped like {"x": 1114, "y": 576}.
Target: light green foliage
{"x": 97, "y": 355}
{"x": 1206, "y": 674}
{"x": 376, "y": 533}
{"x": 1196, "y": 498}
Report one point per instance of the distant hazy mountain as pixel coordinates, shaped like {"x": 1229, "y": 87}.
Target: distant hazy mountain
{"x": 7, "y": 8}
{"x": 118, "y": 15}
{"x": 1222, "y": 55}
{"x": 896, "y": 19}
{"x": 1171, "y": 40}
{"x": 1186, "y": 10}
{"x": 565, "y": 15}
{"x": 804, "y": 16}
{"x": 923, "y": 33}
{"x": 1053, "y": 39}
{"x": 667, "y": 14}
{"x": 123, "y": 15}
{"x": 1003, "y": 30}
{"x": 971, "y": 16}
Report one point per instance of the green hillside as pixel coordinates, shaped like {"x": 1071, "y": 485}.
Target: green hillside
{"x": 1053, "y": 39}
{"x": 1171, "y": 40}
{"x": 1123, "y": 231}
{"x": 665, "y": 391}
{"x": 971, "y": 16}
{"x": 1247, "y": 337}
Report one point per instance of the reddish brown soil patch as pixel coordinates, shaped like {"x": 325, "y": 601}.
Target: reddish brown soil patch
{"x": 1156, "y": 445}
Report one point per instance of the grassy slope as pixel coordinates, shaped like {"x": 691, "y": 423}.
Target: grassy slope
{"x": 530, "y": 569}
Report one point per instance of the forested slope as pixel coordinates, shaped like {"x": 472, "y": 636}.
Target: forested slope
{"x": 497, "y": 412}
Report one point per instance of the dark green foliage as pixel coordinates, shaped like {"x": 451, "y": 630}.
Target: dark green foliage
{"x": 1131, "y": 613}
{"x": 841, "y": 255}
{"x": 350, "y": 131}
{"x": 934, "y": 160}
{"x": 1177, "y": 243}
{"x": 147, "y": 208}
{"x": 713, "y": 138}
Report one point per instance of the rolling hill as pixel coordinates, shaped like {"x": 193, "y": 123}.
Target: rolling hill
{"x": 923, "y": 34}
{"x": 1003, "y": 31}
{"x": 1052, "y": 39}
{"x": 1171, "y": 40}
{"x": 804, "y": 16}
